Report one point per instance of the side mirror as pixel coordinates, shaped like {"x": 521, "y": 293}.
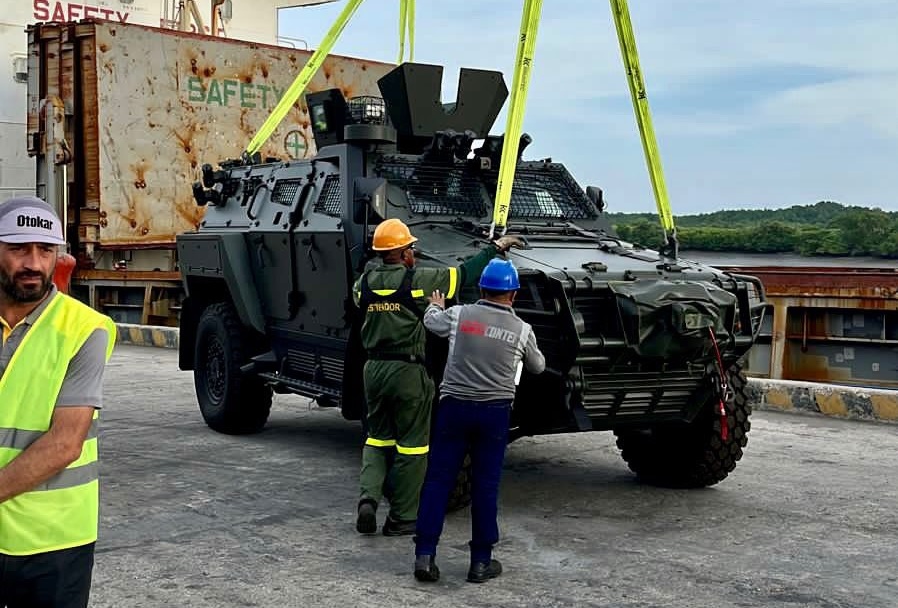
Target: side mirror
{"x": 594, "y": 194}
{"x": 369, "y": 200}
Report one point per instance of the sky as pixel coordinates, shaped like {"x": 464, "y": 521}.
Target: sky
{"x": 762, "y": 104}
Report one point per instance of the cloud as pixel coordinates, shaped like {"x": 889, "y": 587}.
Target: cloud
{"x": 871, "y": 101}
{"x": 804, "y": 92}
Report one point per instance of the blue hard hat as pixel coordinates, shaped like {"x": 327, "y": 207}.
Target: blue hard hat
{"x": 499, "y": 275}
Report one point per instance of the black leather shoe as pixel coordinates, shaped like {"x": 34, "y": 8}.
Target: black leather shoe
{"x": 481, "y": 572}
{"x": 367, "y": 520}
{"x": 426, "y": 569}
{"x": 399, "y": 528}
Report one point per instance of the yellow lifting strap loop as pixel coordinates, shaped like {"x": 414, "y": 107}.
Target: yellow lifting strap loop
{"x": 406, "y": 24}
{"x": 627, "y": 38}
{"x": 523, "y": 64}
{"x": 302, "y": 80}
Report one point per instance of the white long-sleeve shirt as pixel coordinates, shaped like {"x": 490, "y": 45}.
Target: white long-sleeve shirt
{"x": 487, "y": 342}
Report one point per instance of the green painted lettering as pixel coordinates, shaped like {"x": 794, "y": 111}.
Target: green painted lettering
{"x": 278, "y": 93}
{"x": 247, "y": 95}
{"x": 229, "y": 89}
{"x": 264, "y": 88}
{"x": 195, "y": 91}
{"x": 214, "y": 95}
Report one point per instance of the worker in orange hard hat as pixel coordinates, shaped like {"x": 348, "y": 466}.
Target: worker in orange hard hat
{"x": 392, "y": 234}
{"x": 391, "y": 295}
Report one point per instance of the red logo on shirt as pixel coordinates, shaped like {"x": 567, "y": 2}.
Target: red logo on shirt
{"x": 472, "y": 327}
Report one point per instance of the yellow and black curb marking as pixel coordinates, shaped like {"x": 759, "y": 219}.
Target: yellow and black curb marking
{"x": 782, "y": 395}
{"x": 837, "y": 401}
{"x": 147, "y": 335}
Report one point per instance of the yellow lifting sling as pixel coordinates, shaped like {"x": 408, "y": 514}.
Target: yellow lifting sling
{"x": 308, "y": 71}
{"x": 523, "y": 65}
{"x": 621, "y": 14}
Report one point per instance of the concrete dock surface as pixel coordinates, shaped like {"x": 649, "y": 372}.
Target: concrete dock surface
{"x": 193, "y": 518}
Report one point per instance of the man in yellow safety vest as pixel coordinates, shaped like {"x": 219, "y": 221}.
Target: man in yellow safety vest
{"x": 52, "y": 358}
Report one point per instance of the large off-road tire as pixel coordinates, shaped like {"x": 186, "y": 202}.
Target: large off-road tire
{"x": 231, "y": 402}
{"x": 691, "y": 455}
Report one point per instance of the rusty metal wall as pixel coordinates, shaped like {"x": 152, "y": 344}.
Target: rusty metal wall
{"x": 828, "y": 324}
{"x": 155, "y": 105}
{"x": 875, "y": 286}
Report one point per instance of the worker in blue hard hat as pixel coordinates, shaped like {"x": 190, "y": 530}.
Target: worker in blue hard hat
{"x": 488, "y": 344}
{"x": 398, "y": 390}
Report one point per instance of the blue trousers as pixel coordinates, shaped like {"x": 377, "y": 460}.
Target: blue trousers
{"x": 481, "y": 429}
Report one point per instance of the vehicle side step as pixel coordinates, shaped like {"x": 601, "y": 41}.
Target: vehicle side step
{"x": 324, "y": 395}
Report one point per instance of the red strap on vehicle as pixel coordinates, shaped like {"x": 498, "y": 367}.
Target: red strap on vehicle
{"x": 724, "y": 390}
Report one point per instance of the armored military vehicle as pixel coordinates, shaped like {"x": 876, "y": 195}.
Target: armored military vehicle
{"x": 637, "y": 342}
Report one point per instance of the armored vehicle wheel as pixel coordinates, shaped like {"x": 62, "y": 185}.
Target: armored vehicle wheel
{"x": 691, "y": 455}
{"x": 230, "y": 401}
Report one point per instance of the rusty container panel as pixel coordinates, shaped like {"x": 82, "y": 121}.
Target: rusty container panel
{"x": 867, "y": 284}
{"x": 830, "y": 324}
{"x": 155, "y": 105}
{"x": 88, "y": 152}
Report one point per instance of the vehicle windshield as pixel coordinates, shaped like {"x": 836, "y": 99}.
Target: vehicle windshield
{"x": 542, "y": 190}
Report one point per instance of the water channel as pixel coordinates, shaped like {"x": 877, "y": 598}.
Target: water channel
{"x": 725, "y": 258}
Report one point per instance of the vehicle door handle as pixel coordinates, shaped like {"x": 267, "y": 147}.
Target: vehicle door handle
{"x": 260, "y": 250}
{"x": 310, "y": 242}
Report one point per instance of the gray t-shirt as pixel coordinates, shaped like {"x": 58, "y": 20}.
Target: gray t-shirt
{"x": 83, "y": 382}
{"x": 487, "y": 342}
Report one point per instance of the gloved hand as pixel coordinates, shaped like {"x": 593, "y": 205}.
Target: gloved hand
{"x": 504, "y": 243}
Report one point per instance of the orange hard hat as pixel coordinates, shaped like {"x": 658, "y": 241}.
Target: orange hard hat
{"x": 392, "y": 234}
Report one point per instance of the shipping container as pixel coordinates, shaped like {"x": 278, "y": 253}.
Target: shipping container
{"x": 121, "y": 118}
{"x": 833, "y": 324}
{"x": 256, "y": 21}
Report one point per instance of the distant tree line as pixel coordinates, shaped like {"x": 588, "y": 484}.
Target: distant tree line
{"x": 826, "y": 228}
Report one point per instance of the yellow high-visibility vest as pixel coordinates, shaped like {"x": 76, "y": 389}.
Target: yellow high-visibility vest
{"x": 62, "y": 512}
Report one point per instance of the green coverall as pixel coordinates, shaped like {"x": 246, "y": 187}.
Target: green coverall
{"x": 399, "y": 393}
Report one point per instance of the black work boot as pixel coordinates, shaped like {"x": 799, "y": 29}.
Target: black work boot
{"x": 367, "y": 520}
{"x": 399, "y": 528}
{"x": 481, "y": 572}
{"x": 426, "y": 569}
